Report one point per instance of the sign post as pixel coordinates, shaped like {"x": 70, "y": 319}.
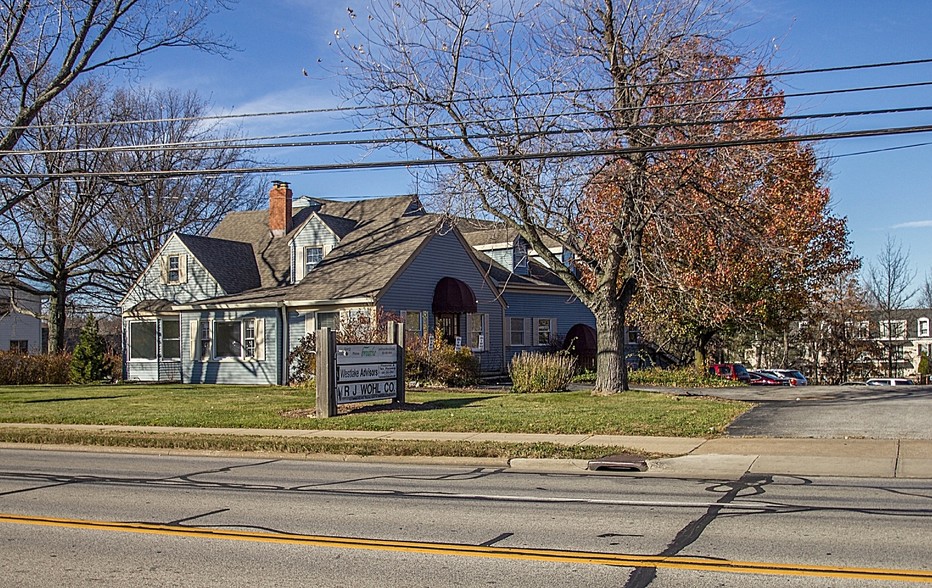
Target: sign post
{"x": 359, "y": 372}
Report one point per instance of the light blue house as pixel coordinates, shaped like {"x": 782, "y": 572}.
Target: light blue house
{"x": 228, "y": 308}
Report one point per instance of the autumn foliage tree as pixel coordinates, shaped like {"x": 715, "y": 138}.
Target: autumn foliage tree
{"x": 747, "y": 238}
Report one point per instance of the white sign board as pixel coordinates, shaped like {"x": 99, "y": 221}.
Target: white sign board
{"x": 366, "y": 372}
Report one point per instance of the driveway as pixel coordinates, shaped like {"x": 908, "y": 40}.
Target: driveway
{"x": 874, "y": 412}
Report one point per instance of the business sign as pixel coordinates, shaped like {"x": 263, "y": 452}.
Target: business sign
{"x": 366, "y": 372}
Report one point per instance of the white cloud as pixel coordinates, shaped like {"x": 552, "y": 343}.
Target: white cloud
{"x": 922, "y": 224}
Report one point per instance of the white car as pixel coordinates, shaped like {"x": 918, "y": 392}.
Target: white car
{"x": 889, "y": 382}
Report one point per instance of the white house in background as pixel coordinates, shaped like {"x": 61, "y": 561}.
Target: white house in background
{"x": 229, "y": 307}
{"x": 20, "y": 327}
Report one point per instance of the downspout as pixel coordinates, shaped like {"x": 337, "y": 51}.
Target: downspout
{"x": 284, "y": 346}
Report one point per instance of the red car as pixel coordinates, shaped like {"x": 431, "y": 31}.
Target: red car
{"x": 730, "y": 371}
{"x": 762, "y": 379}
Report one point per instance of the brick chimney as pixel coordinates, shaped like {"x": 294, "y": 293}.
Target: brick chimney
{"x": 280, "y": 208}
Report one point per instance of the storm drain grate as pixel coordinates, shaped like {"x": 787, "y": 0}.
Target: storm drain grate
{"x": 619, "y": 461}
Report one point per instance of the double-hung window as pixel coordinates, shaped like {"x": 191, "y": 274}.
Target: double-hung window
{"x": 312, "y": 256}
{"x": 923, "y": 327}
{"x": 171, "y": 339}
{"x": 544, "y": 331}
{"x": 237, "y": 339}
{"x": 478, "y": 327}
{"x": 518, "y": 335}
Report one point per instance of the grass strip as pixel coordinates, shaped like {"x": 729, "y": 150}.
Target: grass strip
{"x": 311, "y": 446}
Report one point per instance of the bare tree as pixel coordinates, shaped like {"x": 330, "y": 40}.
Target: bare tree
{"x": 560, "y": 116}
{"x": 889, "y": 283}
{"x": 49, "y": 45}
{"x": 924, "y": 296}
{"x": 84, "y": 239}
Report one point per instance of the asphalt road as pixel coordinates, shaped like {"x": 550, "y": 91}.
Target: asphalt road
{"x": 134, "y": 520}
{"x": 833, "y": 412}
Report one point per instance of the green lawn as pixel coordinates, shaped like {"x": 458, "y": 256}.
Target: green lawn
{"x": 631, "y": 413}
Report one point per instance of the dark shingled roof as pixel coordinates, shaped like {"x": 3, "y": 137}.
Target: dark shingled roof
{"x": 273, "y": 255}
{"x": 538, "y": 274}
{"x": 363, "y": 264}
{"x": 231, "y": 263}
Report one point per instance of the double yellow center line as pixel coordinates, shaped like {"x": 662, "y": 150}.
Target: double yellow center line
{"x": 513, "y": 553}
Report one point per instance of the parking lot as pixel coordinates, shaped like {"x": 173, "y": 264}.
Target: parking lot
{"x": 874, "y": 412}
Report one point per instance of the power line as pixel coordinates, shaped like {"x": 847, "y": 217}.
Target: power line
{"x": 364, "y": 108}
{"x": 607, "y": 151}
{"x": 226, "y": 144}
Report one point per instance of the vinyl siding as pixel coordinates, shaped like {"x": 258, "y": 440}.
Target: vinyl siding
{"x": 445, "y": 256}
{"x": 313, "y": 234}
{"x": 21, "y": 327}
{"x": 263, "y": 371}
{"x": 565, "y": 309}
{"x": 199, "y": 284}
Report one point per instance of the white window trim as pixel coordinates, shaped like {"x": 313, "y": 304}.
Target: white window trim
{"x": 160, "y": 335}
{"x": 923, "y": 322}
{"x": 165, "y": 265}
{"x": 129, "y": 342}
{"x": 307, "y": 248}
{"x": 197, "y": 340}
{"x": 483, "y": 320}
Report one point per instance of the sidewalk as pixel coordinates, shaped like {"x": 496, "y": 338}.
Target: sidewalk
{"x": 726, "y": 457}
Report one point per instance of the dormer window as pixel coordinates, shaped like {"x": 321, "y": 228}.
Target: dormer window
{"x": 923, "y": 330}
{"x": 312, "y": 256}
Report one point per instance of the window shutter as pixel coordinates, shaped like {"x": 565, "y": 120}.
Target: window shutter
{"x": 163, "y": 269}
{"x": 528, "y": 334}
{"x": 309, "y": 323}
{"x": 195, "y": 337}
{"x": 554, "y": 333}
{"x": 506, "y": 329}
{"x": 260, "y": 339}
{"x": 183, "y": 269}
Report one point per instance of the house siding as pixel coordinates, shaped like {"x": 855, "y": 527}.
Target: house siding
{"x": 200, "y": 285}
{"x": 16, "y": 326}
{"x": 263, "y": 371}
{"x": 566, "y": 309}
{"x": 312, "y": 234}
{"x": 413, "y": 289}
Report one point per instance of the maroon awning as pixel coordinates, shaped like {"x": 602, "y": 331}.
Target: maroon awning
{"x": 581, "y": 339}
{"x": 453, "y": 296}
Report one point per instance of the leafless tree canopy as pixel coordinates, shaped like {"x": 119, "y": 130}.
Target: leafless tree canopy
{"x": 558, "y": 114}
{"x": 85, "y": 239}
{"x": 50, "y": 44}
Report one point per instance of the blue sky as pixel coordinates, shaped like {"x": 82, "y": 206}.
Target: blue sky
{"x": 885, "y": 193}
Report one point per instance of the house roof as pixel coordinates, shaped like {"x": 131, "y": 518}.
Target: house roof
{"x": 538, "y": 274}
{"x": 273, "y": 254}
{"x": 231, "y": 263}
{"x": 14, "y": 282}
{"x": 362, "y": 265}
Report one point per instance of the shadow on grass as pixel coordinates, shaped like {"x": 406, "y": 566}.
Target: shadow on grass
{"x": 444, "y": 404}
{"x": 43, "y": 400}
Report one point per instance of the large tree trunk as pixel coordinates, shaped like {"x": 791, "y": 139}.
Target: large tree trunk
{"x": 612, "y": 304}
{"x": 57, "y": 316}
{"x": 611, "y": 371}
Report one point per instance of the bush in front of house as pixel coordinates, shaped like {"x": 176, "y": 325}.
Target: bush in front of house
{"x": 538, "y": 372}
{"x": 440, "y": 363}
{"x": 90, "y": 363}
{"x": 303, "y": 360}
{"x": 17, "y": 368}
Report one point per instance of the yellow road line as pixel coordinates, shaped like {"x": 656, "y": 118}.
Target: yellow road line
{"x": 515, "y": 553}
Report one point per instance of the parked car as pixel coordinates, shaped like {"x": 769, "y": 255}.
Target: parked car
{"x": 730, "y": 371}
{"x": 762, "y": 379}
{"x": 795, "y": 377}
{"x": 890, "y": 382}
